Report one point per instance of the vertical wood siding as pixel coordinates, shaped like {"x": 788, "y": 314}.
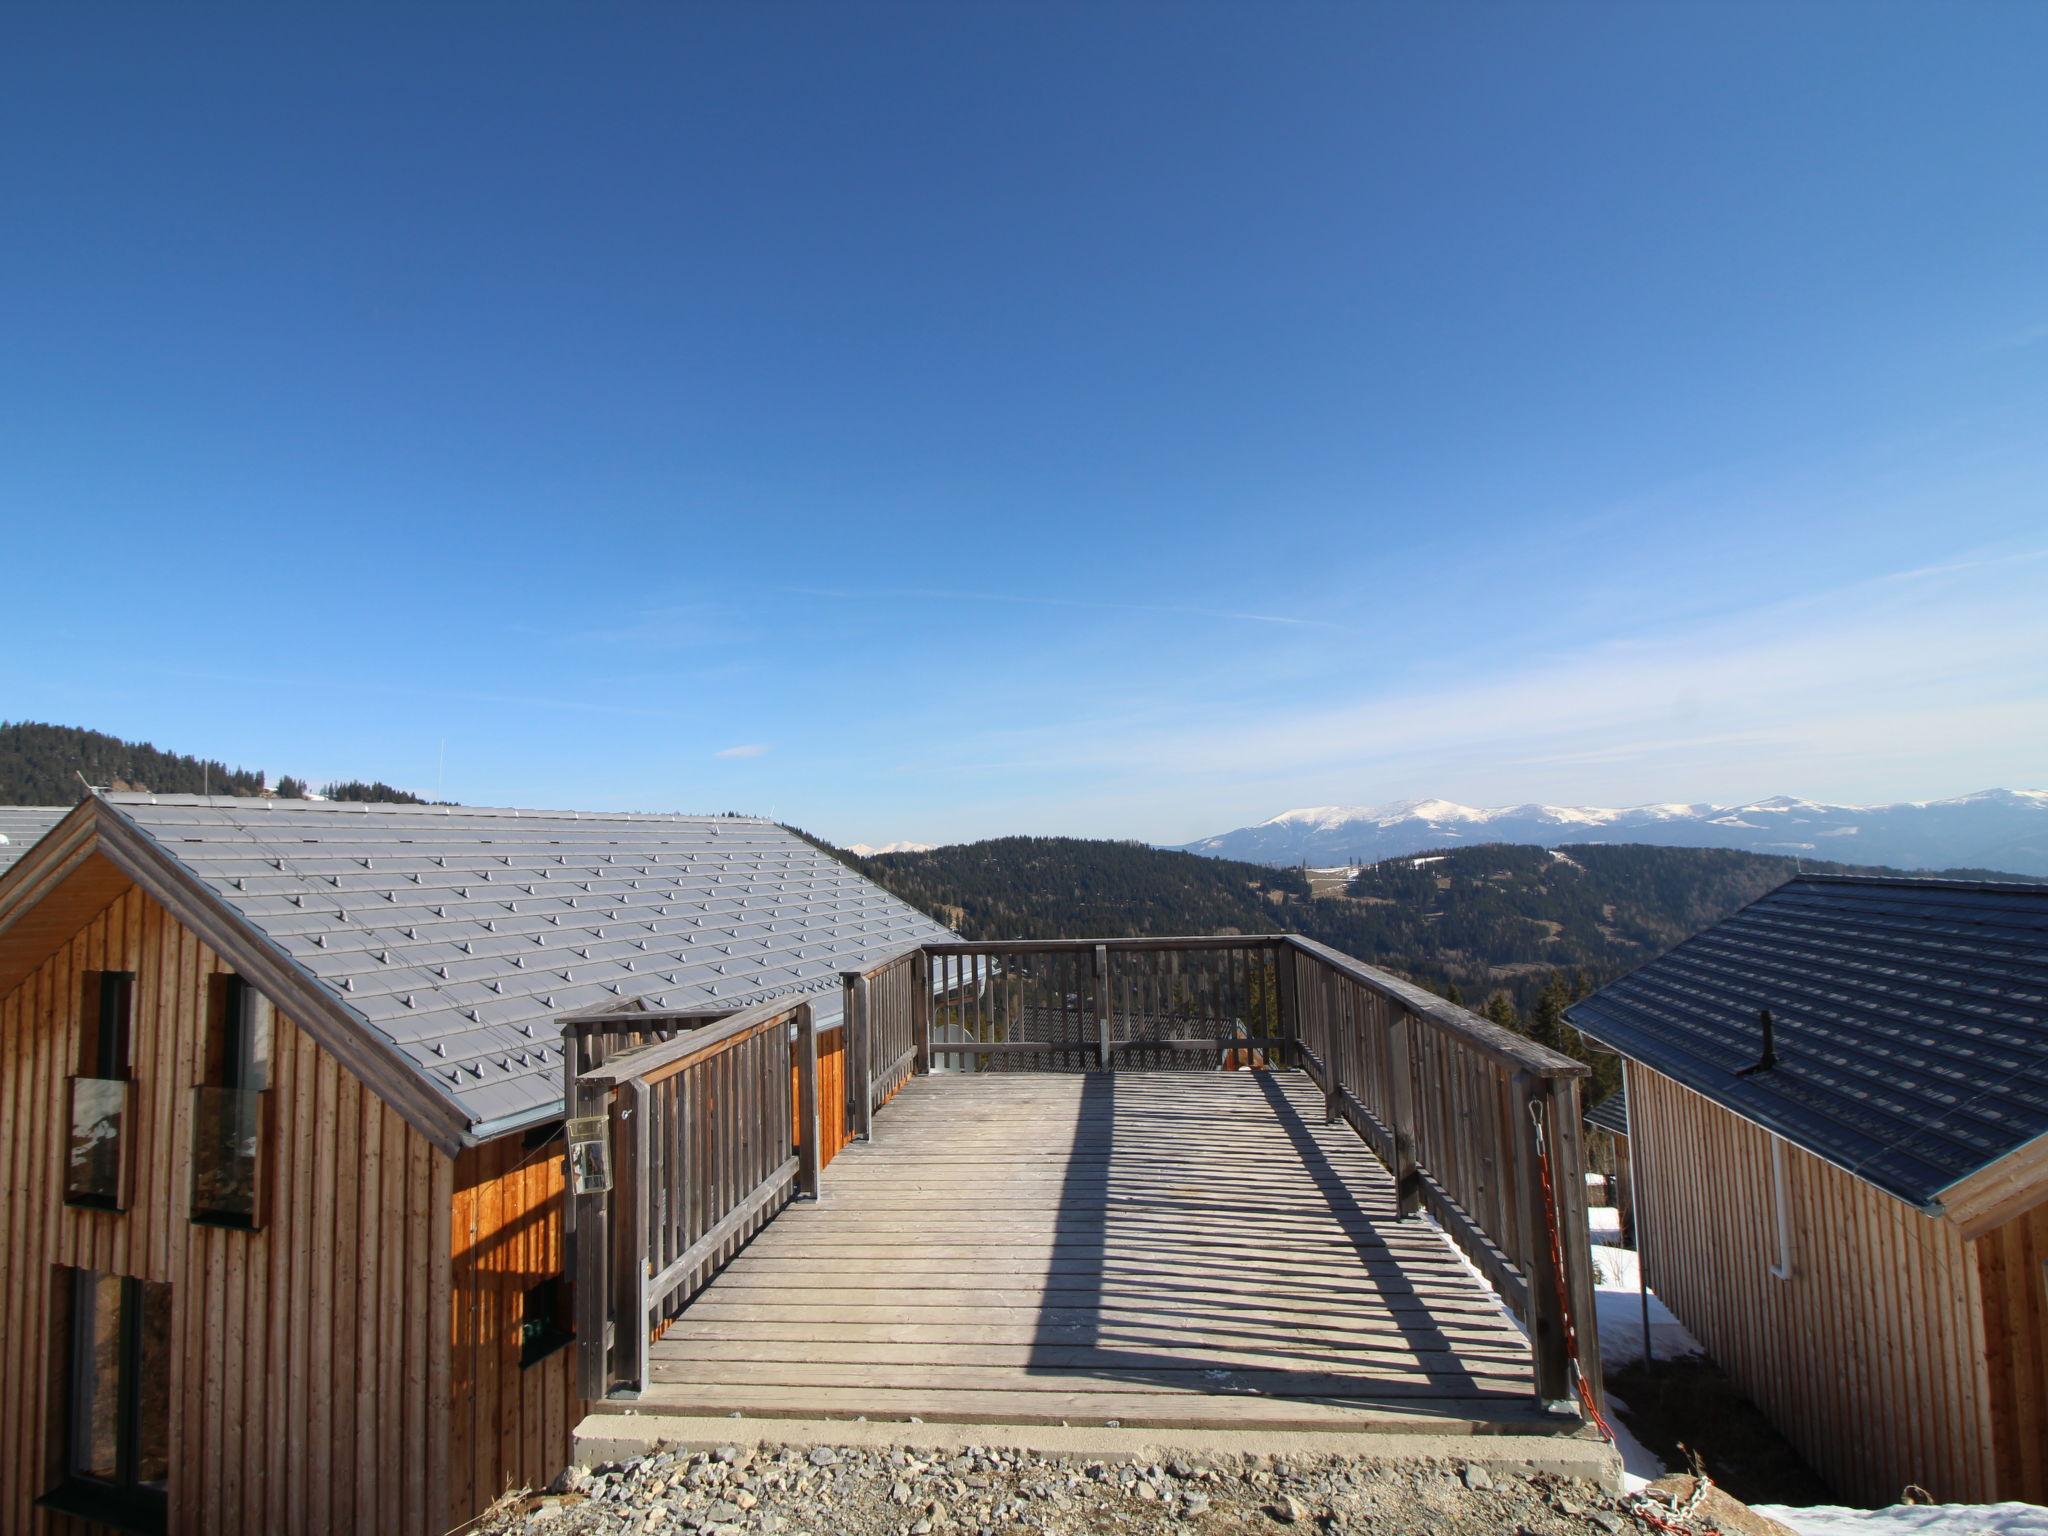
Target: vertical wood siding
{"x": 308, "y": 1384}
{"x": 511, "y": 1423}
{"x": 2012, "y": 1268}
{"x": 835, "y": 1097}
{"x": 1870, "y": 1358}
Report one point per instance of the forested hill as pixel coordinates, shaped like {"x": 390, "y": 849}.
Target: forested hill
{"x": 1515, "y": 932}
{"x": 1064, "y": 887}
{"x": 42, "y": 764}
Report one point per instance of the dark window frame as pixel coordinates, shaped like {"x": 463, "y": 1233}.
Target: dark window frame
{"x": 114, "y": 1027}
{"x": 106, "y": 1032}
{"x": 232, "y": 1017}
{"x": 124, "y": 1503}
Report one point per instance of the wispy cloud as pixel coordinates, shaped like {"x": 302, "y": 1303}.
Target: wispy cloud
{"x": 1880, "y": 690}
{"x": 744, "y": 749}
{"x": 1034, "y": 600}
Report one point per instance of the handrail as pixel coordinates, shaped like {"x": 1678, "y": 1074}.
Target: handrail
{"x": 706, "y": 1148}
{"x": 1465, "y": 1115}
{"x": 663, "y": 1058}
{"x": 1503, "y": 1045}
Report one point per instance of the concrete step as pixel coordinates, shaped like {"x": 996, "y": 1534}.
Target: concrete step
{"x": 620, "y": 1434}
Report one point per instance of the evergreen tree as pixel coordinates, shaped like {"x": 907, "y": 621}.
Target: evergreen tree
{"x": 1546, "y": 1024}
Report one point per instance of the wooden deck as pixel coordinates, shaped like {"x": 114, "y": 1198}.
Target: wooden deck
{"x": 1149, "y": 1249}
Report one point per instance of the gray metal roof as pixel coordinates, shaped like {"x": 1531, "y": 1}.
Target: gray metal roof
{"x": 1910, "y": 1016}
{"x": 22, "y": 825}
{"x": 458, "y": 933}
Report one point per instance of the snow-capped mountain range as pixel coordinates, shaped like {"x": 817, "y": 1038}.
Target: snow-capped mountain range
{"x": 869, "y": 850}
{"x": 2000, "y": 829}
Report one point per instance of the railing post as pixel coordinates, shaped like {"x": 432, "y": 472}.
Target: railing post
{"x": 592, "y": 1299}
{"x": 808, "y": 1152}
{"x": 921, "y": 1010}
{"x": 1546, "y": 1308}
{"x": 860, "y": 1052}
{"x": 1568, "y": 1182}
{"x": 630, "y": 1327}
{"x": 1100, "y": 964}
{"x": 1288, "y": 1024}
{"x": 1401, "y": 1086}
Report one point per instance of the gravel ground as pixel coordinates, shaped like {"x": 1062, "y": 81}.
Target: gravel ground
{"x": 845, "y": 1491}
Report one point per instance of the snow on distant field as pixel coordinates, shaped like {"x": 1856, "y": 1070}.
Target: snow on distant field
{"x": 1605, "y": 1223}
{"x": 1913, "y": 1520}
{"x": 1434, "y": 858}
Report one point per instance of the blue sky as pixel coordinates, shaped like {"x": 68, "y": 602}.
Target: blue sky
{"x": 934, "y": 422}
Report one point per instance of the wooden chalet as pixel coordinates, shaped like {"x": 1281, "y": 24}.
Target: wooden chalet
{"x": 1837, "y": 1122}
{"x": 354, "y": 1154}
{"x": 281, "y": 1088}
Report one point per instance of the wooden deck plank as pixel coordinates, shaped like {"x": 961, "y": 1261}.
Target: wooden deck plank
{"x": 1151, "y": 1248}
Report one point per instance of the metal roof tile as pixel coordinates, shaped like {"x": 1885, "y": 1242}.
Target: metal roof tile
{"x": 459, "y": 933}
{"x": 1910, "y": 1020}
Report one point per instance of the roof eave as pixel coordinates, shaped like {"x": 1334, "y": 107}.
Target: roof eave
{"x": 1930, "y": 1205}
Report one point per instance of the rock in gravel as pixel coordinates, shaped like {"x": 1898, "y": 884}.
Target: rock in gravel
{"x": 1287, "y": 1509}
{"x": 824, "y": 1456}
{"x": 1477, "y": 1477}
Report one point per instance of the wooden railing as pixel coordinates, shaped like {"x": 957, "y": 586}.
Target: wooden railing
{"x": 1059, "y": 1003}
{"x": 1464, "y": 1114}
{"x": 885, "y": 1013}
{"x": 1467, "y": 1116}
{"x": 704, "y": 1147}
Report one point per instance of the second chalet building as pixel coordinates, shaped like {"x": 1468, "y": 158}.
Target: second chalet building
{"x": 1848, "y": 1205}
{"x": 282, "y": 1243}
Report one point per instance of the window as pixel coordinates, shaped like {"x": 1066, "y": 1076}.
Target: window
{"x": 544, "y": 1322}
{"x": 96, "y": 1172}
{"x": 117, "y": 1410}
{"x": 230, "y": 1108}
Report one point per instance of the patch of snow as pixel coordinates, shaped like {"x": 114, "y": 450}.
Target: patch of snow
{"x": 1640, "y": 1466}
{"x": 1838, "y": 832}
{"x": 1913, "y": 1520}
{"x": 869, "y": 850}
{"x": 1618, "y": 1298}
{"x": 1429, "y": 858}
{"x": 1604, "y": 1223}
{"x": 1564, "y": 858}
{"x": 1734, "y": 821}
{"x": 1322, "y": 817}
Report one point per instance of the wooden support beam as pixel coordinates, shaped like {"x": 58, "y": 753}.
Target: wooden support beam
{"x": 921, "y": 1010}
{"x": 1285, "y": 963}
{"x": 1545, "y": 1317}
{"x": 860, "y": 1046}
{"x": 1099, "y": 960}
{"x": 591, "y": 1240}
{"x": 1401, "y": 1072}
{"x": 809, "y": 1156}
{"x": 632, "y": 1316}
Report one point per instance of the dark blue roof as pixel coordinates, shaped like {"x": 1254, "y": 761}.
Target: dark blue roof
{"x": 1610, "y": 1114}
{"x": 1911, "y": 1022}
